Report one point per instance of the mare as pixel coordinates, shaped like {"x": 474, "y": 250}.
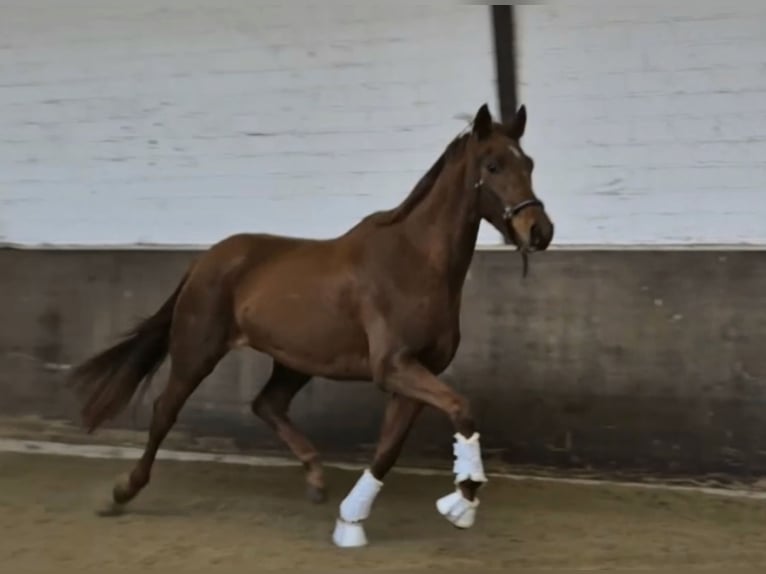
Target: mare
{"x": 379, "y": 303}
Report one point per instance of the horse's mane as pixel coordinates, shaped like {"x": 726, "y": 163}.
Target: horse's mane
{"x": 422, "y": 187}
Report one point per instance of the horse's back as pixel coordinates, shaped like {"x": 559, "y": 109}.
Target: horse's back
{"x": 256, "y": 246}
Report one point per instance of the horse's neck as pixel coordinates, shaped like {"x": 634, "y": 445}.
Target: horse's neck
{"x": 446, "y": 223}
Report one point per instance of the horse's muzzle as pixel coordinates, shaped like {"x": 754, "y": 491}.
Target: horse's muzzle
{"x": 540, "y": 235}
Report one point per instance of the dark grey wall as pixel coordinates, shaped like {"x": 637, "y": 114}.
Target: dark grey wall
{"x": 650, "y": 361}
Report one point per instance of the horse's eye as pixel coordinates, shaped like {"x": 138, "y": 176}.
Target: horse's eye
{"x": 492, "y": 166}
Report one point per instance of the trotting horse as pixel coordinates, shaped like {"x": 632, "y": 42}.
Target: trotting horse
{"x": 379, "y": 303}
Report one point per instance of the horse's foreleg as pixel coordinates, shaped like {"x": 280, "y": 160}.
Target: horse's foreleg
{"x": 271, "y": 406}
{"x": 409, "y": 378}
{"x": 398, "y": 419}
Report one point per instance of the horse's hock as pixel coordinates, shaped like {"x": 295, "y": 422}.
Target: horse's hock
{"x": 629, "y": 361}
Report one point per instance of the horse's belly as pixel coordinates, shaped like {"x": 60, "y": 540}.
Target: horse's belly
{"x": 309, "y": 330}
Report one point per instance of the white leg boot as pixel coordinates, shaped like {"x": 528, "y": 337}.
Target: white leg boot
{"x": 355, "y": 508}
{"x": 468, "y": 466}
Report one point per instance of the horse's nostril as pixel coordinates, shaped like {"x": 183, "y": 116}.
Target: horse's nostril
{"x": 535, "y": 237}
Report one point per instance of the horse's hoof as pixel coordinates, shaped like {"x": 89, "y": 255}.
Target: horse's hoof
{"x": 122, "y": 491}
{"x": 316, "y": 494}
{"x": 111, "y": 508}
{"x": 121, "y": 494}
{"x": 460, "y": 511}
{"x": 349, "y": 534}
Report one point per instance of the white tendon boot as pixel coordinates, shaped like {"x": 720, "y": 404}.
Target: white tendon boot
{"x": 349, "y": 532}
{"x": 460, "y": 511}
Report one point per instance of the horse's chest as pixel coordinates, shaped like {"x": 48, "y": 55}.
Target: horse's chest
{"x": 435, "y": 332}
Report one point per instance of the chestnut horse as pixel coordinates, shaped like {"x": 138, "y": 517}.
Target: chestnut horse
{"x": 379, "y": 303}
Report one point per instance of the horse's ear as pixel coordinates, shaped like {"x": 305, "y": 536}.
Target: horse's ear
{"x": 519, "y": 123}
{"x": 482, "y": 123}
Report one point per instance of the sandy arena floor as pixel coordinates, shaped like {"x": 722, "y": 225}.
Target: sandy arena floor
{"x": 204, "y": 517}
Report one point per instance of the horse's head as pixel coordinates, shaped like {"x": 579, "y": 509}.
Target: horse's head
{"x": 504, "y": 182}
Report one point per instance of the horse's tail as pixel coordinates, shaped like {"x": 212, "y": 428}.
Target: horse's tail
{"x": 110, "y": 378}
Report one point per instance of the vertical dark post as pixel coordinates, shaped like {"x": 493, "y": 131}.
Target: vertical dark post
{"x": 505, "y": 59}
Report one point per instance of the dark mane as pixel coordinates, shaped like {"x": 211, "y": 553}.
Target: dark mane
{"x": 422, "y": 187}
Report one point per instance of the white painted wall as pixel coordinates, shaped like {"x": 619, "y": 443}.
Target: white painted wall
{"x": 648, "y": 118}
{"x": 182, "y": 121}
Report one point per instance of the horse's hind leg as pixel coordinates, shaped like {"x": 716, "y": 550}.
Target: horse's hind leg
{"x": 187, "y": 372}
{"x": 271, "y": 406}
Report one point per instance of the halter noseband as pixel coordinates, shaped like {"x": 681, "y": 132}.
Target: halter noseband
{"x": 511, "y": 211}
